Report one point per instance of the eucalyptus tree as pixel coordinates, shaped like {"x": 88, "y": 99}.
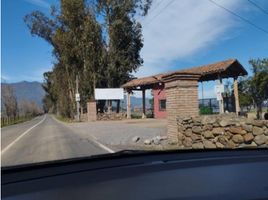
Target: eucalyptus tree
{"x": 123, "y": 38}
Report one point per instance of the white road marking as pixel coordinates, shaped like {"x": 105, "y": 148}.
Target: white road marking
{"x": 102, "y": 145}
{"x": 94, "y": 139}
{"x": 23, "y": 134}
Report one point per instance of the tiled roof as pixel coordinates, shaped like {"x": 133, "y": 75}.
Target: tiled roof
{"x": 227, "y": 68}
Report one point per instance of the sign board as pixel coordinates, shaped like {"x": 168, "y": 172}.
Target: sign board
{"x": 219, "y": 89}
{"x": 109, "y": 93}
{"x": 77, "y": 97}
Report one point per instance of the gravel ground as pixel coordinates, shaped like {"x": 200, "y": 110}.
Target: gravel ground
{"x": 119, "y": 134}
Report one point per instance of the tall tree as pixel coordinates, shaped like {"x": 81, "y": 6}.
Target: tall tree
{"x": 101, "y": 55}
{"x": 256, "y": 86}
{"x": 9, "y": 101}
{"x": 124, "y": 38}
{"x": 76, "y": 39}
{"x": 258, "y": 83}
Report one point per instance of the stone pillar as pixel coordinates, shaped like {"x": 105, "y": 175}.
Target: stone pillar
{"x": 143, "y": 104}
{"x": 181, "y": 100}
{"x": 237, "y": 106}
{"x": 91, "y": 111}
{"x": 128, "y": 105}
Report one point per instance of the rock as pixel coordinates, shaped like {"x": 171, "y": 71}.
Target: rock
{"x": 222, "y": 140}
{"x": 198, "y": 145}
{"x": 247, "y": 127}
{"x": 196, "y": 129}
{"x": 260, "y": 139}
{"x": 215, "y": 124}
{"x": 147, "y": 142}
{"x": 218, "y": 131}
{"x": 186, "y": 119}
{"x": 208, "y": 134}
{"x": 236, "y": 130}
{"x": 219, "y": 145}
{"x": 135, "y": 139}
{"x": 266, "y": 132}
{"x": 258, "y": 123}
{"x": 208, "y": 120}
{"x": 156, "y": 141}
{"x": 248, "y": 137}
{"x": 226, "y": 122}
{"x": 163, "y": 137}
{"x": 209, "y": 145}
{"x": 249, "y": 121}
{"x": 238, "y": 138}
{"x": 207, "y": 127}
{"x": 187, "y": 142}
{"x": 180, "y": 136}
{"x": 195, "y": 137}
{"x": 257, "y": 130}
{"x": 230, "y": 144}
{"x": 188, "y": 132}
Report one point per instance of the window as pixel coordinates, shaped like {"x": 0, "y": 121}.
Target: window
{"x": 162, "y": 104}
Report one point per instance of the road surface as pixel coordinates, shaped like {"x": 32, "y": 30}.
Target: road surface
{"x": 42, "y": 139}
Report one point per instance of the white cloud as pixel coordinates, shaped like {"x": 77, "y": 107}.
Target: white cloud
{"x": 40, "y": 3}
{"x": 183, "y": 29}
{"x": 4, "y": 78}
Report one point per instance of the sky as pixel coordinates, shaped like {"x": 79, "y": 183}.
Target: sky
{"x": 177, "y": 34}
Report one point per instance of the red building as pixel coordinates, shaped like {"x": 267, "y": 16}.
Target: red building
{"x": 159, "y": 96}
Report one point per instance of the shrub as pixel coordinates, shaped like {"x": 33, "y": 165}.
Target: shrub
{"x": 205, "y": 110}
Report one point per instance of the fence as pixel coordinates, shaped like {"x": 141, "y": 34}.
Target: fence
{"x": 5, "y": 121}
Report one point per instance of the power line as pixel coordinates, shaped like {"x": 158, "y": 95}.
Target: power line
{"x": 242, "y": 18}
{"x": 259, "y": 7}
{"x": 159, "y": 12}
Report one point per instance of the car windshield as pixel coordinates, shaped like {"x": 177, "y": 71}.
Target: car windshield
{"x": 84, "y": 78}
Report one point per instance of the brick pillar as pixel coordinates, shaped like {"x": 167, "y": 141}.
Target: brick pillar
{"x": 91, "y": 111}
{"x": 181, "y": 100}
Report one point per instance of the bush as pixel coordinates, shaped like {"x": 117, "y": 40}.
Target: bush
{"x": 205, "y": 110}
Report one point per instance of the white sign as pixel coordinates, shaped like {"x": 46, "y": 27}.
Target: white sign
{"x": 77, "y": 97}
{"x": 219, "y": 89}
{"x": 109, "y": 93}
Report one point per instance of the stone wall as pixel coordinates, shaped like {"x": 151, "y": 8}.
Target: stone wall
{"x": 111, "y": 116}
{"x": 221, "y": 131}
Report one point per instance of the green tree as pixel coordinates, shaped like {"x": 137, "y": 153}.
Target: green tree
{"x": 102, "y": 55}
{"x": 124, "y": 38}
{"x": 245, "y": 99}
{"x": 77, "y": 44}
{"x": 256, "y": 86}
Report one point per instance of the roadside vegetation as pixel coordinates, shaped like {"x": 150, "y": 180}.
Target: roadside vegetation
{"x": 253, "y": 90}
{"x": 98, "y": 41}
{"x": 12, "y": 111}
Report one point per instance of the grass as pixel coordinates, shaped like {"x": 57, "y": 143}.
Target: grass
{"x": 63, "y": 119}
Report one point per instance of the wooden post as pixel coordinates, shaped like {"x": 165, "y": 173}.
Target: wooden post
{"x": 237, "y": 106}
{"x": 128, "y": 105}
{"x": 143, "y": 104}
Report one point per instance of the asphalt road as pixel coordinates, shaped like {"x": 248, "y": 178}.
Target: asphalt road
{"x": 43, "y": 139}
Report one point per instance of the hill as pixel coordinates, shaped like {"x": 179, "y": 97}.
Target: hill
{"x": 30, "y": 91}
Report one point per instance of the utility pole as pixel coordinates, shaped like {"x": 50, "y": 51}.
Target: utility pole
{"x": 77, "y": 99}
